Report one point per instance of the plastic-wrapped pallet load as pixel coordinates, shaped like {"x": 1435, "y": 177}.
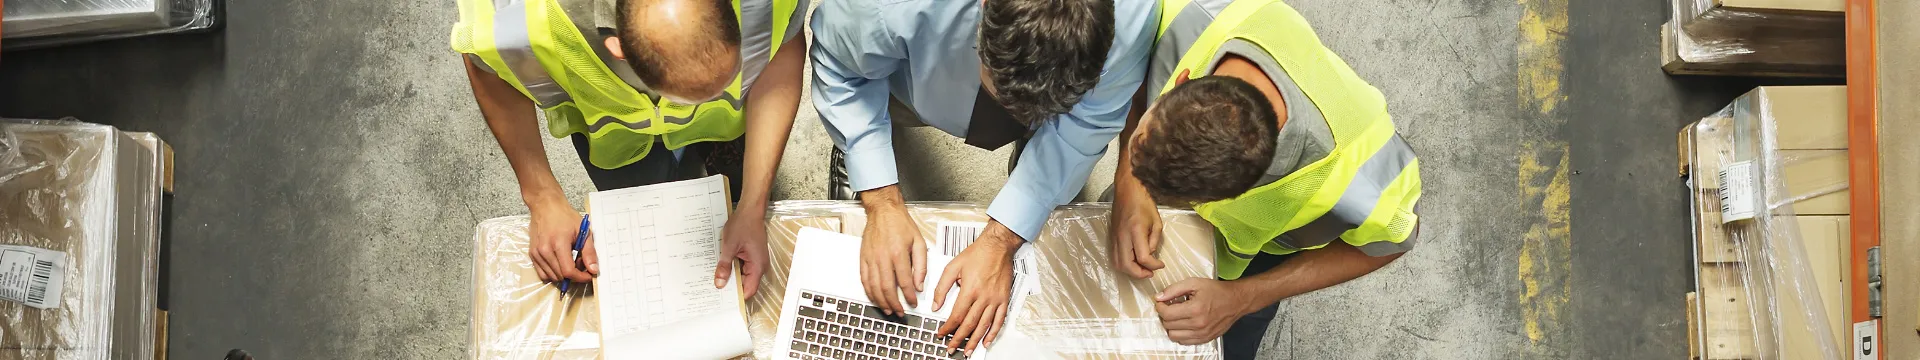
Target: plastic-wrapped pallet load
{"x": 40, "y": 23}
{"x": 1086, "y": 309}
{"x": 1769, "y": 211}
{"x": 79, "y": 237}
{"x": 515, "y": 316}
{"x": 1786, "y": 38}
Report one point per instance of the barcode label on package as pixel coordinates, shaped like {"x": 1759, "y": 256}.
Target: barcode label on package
{"x": 1736, "y": 192}
{"x": 31, "y": 276}
{"x": 955, "y": 236}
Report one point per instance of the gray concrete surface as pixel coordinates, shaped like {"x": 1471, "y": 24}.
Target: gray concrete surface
{"x": 331, "y": 167}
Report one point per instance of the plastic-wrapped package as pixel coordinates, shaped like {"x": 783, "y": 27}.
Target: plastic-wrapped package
{"x": 1769, "y": 278}
{"x": 1710, "y": 37}
{"x": 94, "y": 199}
{"x": 515, "y": 315}
{"x": 41, "y": 23}
{"x": 1086, "y": 310}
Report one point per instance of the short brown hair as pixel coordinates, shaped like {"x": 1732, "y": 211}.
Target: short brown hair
{"x": 1211, "y": 139}
{"x": 1043, "y": 55}
{"x": 690, "y": 65}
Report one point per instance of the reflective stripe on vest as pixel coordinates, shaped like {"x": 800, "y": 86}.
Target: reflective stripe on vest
{"x": 533, "y": 45}
{"x": 1364, "y": 189}
{"x": 516, "y": 49}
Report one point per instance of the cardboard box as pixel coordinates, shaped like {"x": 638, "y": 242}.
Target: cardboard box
{"x": 1088, "y": 309}
{"x": 1778, "y": 38}
{"x": 515, "y": 315}
{"x": 95, "y": 197}
{"x": 1759, "y": 279}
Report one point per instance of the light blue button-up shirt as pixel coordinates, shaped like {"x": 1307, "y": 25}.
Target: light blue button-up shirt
{"x": 923, "y": 52}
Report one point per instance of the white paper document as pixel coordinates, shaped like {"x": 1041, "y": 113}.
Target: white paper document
{"x": 658, "y": 245}
{"x": 31, "y": 275}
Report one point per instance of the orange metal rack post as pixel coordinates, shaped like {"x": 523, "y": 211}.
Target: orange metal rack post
{"x": 1863, "y": 163}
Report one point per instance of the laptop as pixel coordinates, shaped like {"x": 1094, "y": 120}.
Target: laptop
{"x": 826, "y": 315}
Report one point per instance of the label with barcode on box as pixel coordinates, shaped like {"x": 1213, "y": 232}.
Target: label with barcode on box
{"x": 31, "y": 276}
{"x": 1736, "y": 192}
{"x": 955, "y": 236}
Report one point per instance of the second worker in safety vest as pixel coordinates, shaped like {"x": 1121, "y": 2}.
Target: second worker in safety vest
{"x": 650, "y": 91}
{"x": 1274, "y": 140}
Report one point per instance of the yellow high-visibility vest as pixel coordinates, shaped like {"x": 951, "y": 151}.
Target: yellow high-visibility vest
{"x": 1364, "y": 189}
{"x": 535, "y": 46}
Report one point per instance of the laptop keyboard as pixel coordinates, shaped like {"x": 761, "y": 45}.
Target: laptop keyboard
{"x": 843, "y": 329}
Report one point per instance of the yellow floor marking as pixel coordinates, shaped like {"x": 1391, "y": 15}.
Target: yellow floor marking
{"x": 1546, "y": 251}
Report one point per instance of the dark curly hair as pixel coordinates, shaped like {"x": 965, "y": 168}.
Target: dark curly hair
{"x": 1210, "y": 139}
{"x": 1043, "y": 55}
{"x": 699, "y": 60}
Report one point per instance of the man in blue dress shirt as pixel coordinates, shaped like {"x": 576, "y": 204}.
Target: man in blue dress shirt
{"x": 1058, "y": 74}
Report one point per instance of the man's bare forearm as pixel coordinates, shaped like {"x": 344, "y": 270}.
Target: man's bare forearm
{"x": 510, "y": 116}
{"x": 1309, "y": 271}
{"x": 769, "y": 116}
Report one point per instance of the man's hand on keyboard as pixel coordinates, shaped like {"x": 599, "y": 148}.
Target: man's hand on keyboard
{"x": 984, "y": 272}
{"x": 744, "y": 239}
{"x": 893, "y": 258}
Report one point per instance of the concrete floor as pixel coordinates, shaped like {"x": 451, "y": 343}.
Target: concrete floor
{"x": 331, "y": 166}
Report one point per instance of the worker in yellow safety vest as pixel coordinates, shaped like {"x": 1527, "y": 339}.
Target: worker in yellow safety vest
{"x": 650, "y": 91}
{"x": 1276, "y": 142}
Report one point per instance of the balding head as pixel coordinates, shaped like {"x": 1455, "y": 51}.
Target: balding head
{"x": 686, "y": 50}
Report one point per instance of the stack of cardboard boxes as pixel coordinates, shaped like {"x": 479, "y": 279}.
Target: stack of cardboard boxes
{"x": 83, "y": 203}
{"x": 1783, "y": 38}
{"x": 1770, "y": 211}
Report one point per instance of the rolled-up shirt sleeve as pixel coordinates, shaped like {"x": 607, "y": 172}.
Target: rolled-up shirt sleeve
{"x": 852, "y": 56}
{"x": 1061, "y": 153}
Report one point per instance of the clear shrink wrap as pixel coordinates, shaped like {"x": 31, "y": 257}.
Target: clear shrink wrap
{"x": 1078, "y": 307}
{"x": 515, "y": 315}
{"x": 1769, "y": 277}
{"x": 80, "y": 203}
{"x": 1709, "y": 37}
{"x": 41, "y": 23}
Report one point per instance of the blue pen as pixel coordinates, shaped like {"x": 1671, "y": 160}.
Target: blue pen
{"x": 579, "y": 240}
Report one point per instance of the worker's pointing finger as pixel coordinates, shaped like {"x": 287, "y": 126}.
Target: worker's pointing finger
{"x": 889, "y": 300}
{"x": 979, "y": 335}
{"x": 999, "y": 320}
{"x": 940, "y": 288}
{"x": 909, "y": 285}
{"x": 919, "y": 265}
{"x": 974, "y": 312}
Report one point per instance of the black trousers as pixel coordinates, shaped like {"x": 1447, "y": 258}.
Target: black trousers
{"x": 1242, "y": 340}
{"x": 697, "y": 161}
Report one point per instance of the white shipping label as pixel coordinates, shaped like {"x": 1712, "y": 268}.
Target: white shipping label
{"x": 955, "y": 236}
{"x": 1865, "y": 343}
{"x": 31, "y": 276}
{"x": 1736, "y": 192}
